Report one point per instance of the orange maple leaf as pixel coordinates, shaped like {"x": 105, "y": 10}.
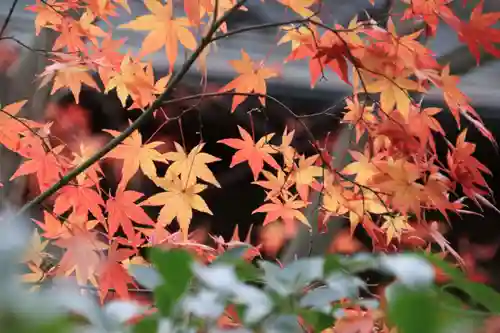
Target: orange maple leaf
{"x": 52, "y": 227}
{"x": 287, "y": 211}
{"x": 164, "y": 30}
{"x": 47, "y": 166}
{"x": 122, "y": 210}
{"x": 82, "y": 198}
{"x": 399, "y": 178}
{"x": 254, "y": 153}
{"x": 136, "y": 155}
{"x": 46, "y": 15}
{"x": 104, "y": 8}
{"x": 12, "y": 126}
{"x": 252, "y": 79}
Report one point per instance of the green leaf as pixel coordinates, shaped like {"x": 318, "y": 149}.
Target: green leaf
{"x": 413, "y": 310}
{"x": 480, "y": 293}
{"x": 175, "y": 268}
{"x": 318, "y": 320}
{"x": 147, "y": 325}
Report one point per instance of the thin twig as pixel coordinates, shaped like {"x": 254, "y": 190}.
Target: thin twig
{"x": 9, "y": 16}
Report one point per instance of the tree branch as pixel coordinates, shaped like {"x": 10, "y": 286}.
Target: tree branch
{"x": 9, "y": 16}
{"x": 137, "y": 123}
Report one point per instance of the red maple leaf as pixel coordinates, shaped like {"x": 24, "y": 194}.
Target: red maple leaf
{"x": 82, "y": 198}
{"x": 122, "y": 210}
{"x": 478, "y": 32}
{"x": 113, "y": 275}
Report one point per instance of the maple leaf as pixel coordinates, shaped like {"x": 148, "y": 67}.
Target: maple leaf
{"x": 393, "y": 92}
{"x": 47, "y": 166}
{"x": 363, "y": 204}
{"x": 94, "y": 172}
{"x": 72, "y": 32}
{"x": 255, "y": 153}
{"x": 136, "y": 155}
{"x": 430, "y": 11}
{"x": 297, "y": 35}
{"x": 46, "y": 15}
{"x": 395, "y": 226}
{"x": 287, "y": 151}
{"x": 399, "y": 177}
{"x": 136, "y": 80}
{"x": 304, "y": 175}
{"x": 81, "y": 256}
{"x": 362, "y": 167}
{"x": 478, "y": 32}
{"x": 275, "y": 184}
{"x": 191, "y": 166}
{"x": 104, "y": 8}
{"x": 106, "y": 56}
{"x": 164, "y": 30}
{"x": 34, "y": 251}
{"x": 287, "y": 211}
{"x": 252, "y": 79}
{"x": 112, "y": 274}
{"x": 359, "y": 116}
{"x": 68, "y": 72}
{"x": 35, "y": 276}
{"x": 82, "y": 198}
{"x": 334, "y": 199}
{"x": 466, "y": 169}
{"x": 52, "y": 227}
{"x": 301, "y": 7}
{"x": 11, "y": 125}
{"x": 122, "y": 210}
{"x": 178, "y": 202}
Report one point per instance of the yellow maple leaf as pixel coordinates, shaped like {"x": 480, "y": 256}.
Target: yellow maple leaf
{"x": 395, "y": 226}
{"x": 304, "y": 175}
{"x": 301, "y": 7}
{"x": 178, "y": 202}
{"x": 136, "y": 155}
{"x": 362, "y": 167}
{"x": 164, "y": 30}
{"x": 393, "y": 92}
{"x": 34, "y": 253}
{"x": 68, "y": 72}
{"x": 191, "y": 166}
{"x": 135, "y": 79}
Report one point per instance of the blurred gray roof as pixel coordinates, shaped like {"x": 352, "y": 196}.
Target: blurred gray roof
{"x": 481, "y": 84}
